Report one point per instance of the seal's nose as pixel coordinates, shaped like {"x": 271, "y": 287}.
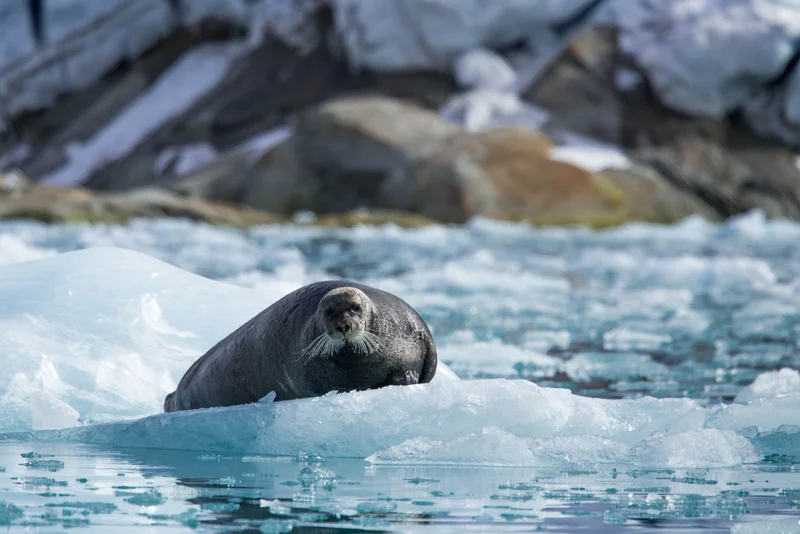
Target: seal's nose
{"x": 344, "y": 328}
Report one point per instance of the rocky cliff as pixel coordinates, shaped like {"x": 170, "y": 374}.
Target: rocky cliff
{"x": 580, "y": 111}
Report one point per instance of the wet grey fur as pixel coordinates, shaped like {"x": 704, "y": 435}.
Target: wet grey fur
{"x": 266, "y": 354}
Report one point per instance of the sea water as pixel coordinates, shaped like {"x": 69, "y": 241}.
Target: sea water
{"x": 637, "y": 378}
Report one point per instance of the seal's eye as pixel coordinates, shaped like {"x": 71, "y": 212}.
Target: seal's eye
{"x": 356, "y": 308}
{"x": 329, "y": 312}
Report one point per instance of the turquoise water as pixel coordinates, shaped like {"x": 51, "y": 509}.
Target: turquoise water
{"x": 100, "y": 489}
{"x": 692, "y": 311}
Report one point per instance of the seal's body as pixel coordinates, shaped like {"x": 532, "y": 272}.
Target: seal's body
{"x": 327, "y": 336}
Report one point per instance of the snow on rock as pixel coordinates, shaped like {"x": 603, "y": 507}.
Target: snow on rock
{"x": 289, "y": 20}
{"x": 419, "y": 34}
{"x": 769, "y": 385}
{"x": 479, "y": 68}
{"x": 16, "y": 34}
{"x": 483, "y": 109}
{"x": 707, "y": 57}
{"x": 183, "y": 84}
{"x": 590, "y": 154}
{"x": 185, "y": 159}
{"x": 82, "y": 42}
{"x": 64, "y": 18}
{"x": 84, "y": 39}
{"x": 196, "y": 11}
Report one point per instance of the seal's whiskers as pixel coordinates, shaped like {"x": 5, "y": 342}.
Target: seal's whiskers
{"x": 323, "y": 346}
{"x": 366, "y": 343}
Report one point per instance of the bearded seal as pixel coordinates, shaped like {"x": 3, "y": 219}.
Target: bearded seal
{"x": 327, "y": 336}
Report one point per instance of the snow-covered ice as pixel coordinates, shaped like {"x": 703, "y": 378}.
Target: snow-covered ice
{"x": 103, "y": 334}
{"x": 772, "y": 384}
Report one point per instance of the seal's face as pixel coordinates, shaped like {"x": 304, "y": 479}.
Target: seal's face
{"x": 343, "y": 315}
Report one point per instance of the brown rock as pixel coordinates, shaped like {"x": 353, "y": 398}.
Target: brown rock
{"x": 342, "y": 153}
{"x": 651, "y": 198}
{"x": 56, "y": 204}
{"x": 505, "y": 174}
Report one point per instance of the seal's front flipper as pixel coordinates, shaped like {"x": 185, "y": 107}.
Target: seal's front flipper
{"x": 402, "y": 378}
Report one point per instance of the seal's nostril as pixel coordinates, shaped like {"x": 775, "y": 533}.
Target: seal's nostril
{"x": 340, "y": 329}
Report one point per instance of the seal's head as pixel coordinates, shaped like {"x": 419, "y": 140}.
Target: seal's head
{"x": 342, "y": 316}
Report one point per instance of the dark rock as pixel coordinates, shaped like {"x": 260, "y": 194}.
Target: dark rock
{"x": 342, "y": 153}
{"x": 579, "y": 89}
{"x": 224, "y": 179}
{"x": 729, "y": 180}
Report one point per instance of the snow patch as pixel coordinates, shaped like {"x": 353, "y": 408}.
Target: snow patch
{"x": 183, "y": 84}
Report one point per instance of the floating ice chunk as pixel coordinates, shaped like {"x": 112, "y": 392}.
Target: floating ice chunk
{"x": 479, "y": 68}
{"x": 495, "y": 358}
{"x": 444, "y": 420}
{"x": 492, "y": 446}
{"x": 544, "y": 340}
{"x": 585, "y": 450}
{"x": 767, "y": 319}
{"x": 708, "y": 447}
{"x": 761, "y": 415}
{"x": 105, "y": 333}
{"x": 613, "y": 366}
{"x": 784, "y": 525}
{"x": 48, "y": 411}
{"x": 771, "y": 384}
{"x": 625, "y": 339}
{"x": 726, "y": 279}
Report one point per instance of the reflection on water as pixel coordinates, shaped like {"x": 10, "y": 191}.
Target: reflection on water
{"x": 78, "y": 486}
